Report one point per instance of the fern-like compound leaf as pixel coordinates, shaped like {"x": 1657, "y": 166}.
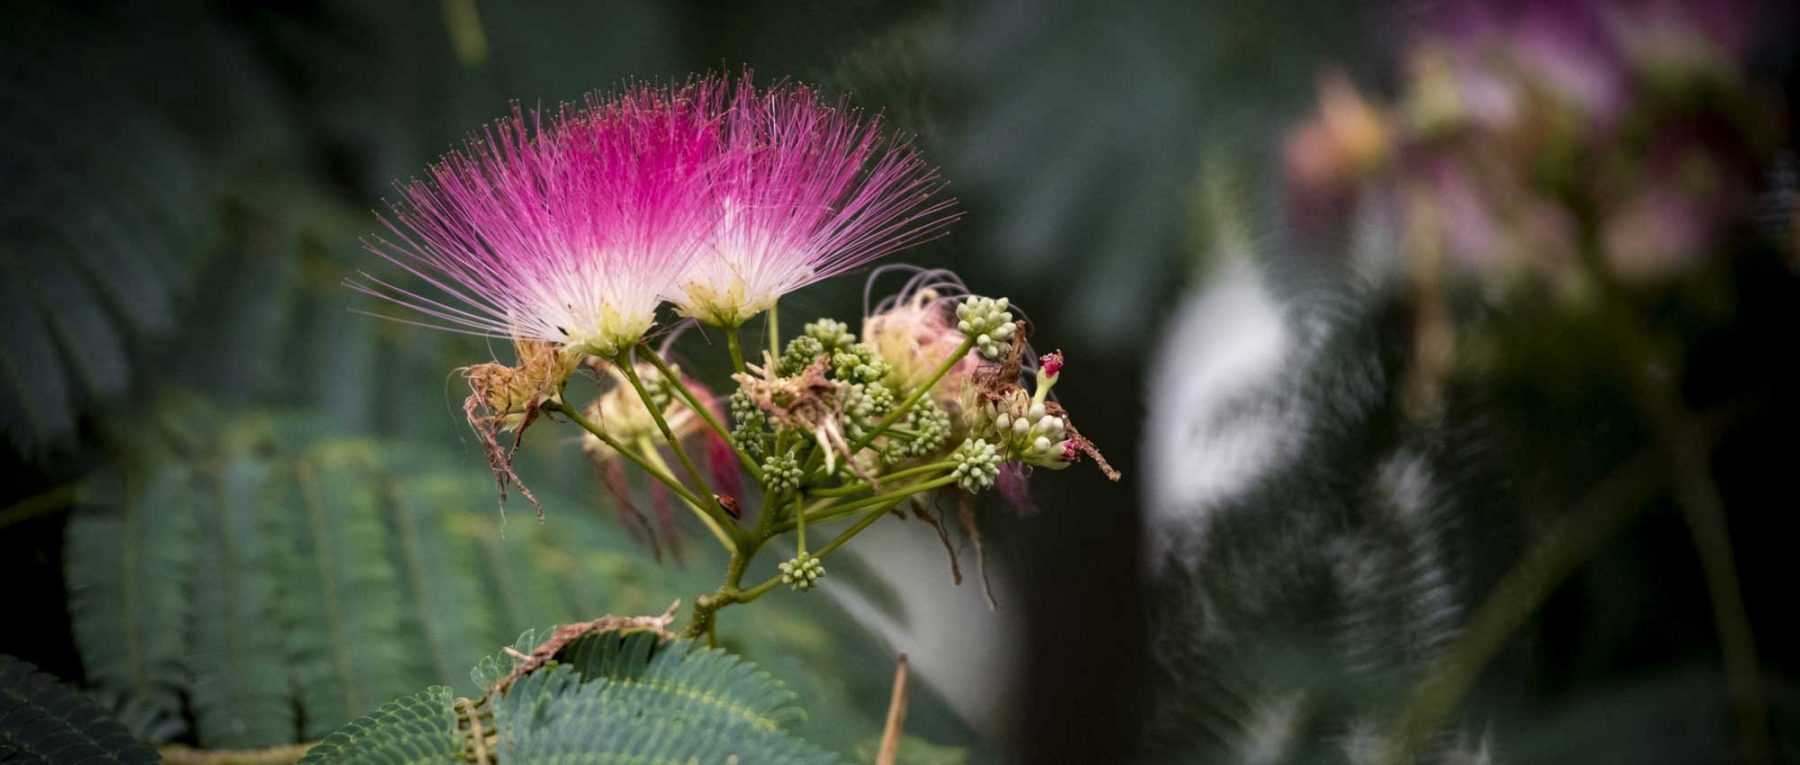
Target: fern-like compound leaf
{"x": 552, "y": 715}
{"x": 420, "y": 729}
{"x": 612, "y": 697}
{"x": 128, "y": 570}
{"x": 238, "y": 685}
{"x": 43, "y": 721}
{"x": 264, "y": 583}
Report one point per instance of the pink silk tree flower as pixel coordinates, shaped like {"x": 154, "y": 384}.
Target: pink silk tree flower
{"x": 805, "y": 190}
{"x": 567, "y": 232}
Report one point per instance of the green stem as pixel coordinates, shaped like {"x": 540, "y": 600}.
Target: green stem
{"x": 774, "y": 333}
{"x": 660, "y": 474}
{"x": 800, "y": 525}
{"x": 649, "y": 451}
{"x": 44, "y": 503}
{"x": 860, "y": 486}
{"x": 840, "y": 511}
{"x": 693, "y": 403}
{"x": 705, "y": 620}
{"x": 736, "y": 347}
{"x": 680, "y": 489}
{"x": 1565, "y": 547}
{"x": 1675, "y": 429}
{"x": 917, "y": 394}
{"x": 706, "y": 607}
{"x": 1677, "y": 435}
{"x": 842, "y": 539}
{"x": 628, "y": 365}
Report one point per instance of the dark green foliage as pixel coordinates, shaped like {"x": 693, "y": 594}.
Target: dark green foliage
{"x": 341, "y": 603}
{"x": 1077, "y": 220}
{"x": 275, "y": 585}
{"x": 171, "y": 216}
{"x": 43, "y": 721}
{"x": 554, "y": 715}
{"x": 613, "y": 697}
{"x": 240, "y": 697}
{"x": 98, "y": 220}
{"x": 685, "y": 681}
{"x": 411, "y": 730}
{"x": 128, "y": 571}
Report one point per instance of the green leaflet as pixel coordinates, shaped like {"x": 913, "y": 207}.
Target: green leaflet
{"x": 240, "y": 697}
{"x": 607, "y": 698}
{"x": 683, "y": 680}
{"x": 419, "y": 729}
{"x": 552, "y": 715}
{"x": 128, "y": 566}
{"x": 341, "y": 599}
{"x": 43, "y": 721}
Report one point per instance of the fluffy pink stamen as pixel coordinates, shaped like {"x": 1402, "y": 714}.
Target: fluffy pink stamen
{"x": 806, "y": 190}
{"x": 566, "y": 232}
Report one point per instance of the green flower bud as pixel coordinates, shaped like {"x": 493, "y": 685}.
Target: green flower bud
{"x": 830, "y": 333}
{"x": 858, "y": 362}
{"x": 750, "y": 425}
{"x": 781, "y": 473}
{"x": 800, "y": 353}
{"x": 977, "y": 465}
{"x": 864, "y": 401}
{"x": 989, "y": 322}
{"x": 802, "y": 572}
{"x": 931, "y": 428}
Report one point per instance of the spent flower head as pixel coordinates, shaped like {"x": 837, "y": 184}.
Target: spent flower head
{"x": 915, "y": 330}
{"x": 509, "y": 398}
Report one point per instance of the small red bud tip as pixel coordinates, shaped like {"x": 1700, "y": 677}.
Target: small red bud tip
{"x": 1052, "y": 364}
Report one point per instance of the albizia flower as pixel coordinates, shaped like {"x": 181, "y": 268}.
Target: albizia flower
{"x": 915, "y": 329}
{"x": 804, "y": 191}
{"x": 567, "y": 233}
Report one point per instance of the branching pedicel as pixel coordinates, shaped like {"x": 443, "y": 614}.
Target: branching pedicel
{"x": 718, "y": 198}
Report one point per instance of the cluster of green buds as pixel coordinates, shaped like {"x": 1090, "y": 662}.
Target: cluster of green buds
{"x": 781, "y": 473}
{"x": 858, "y": 363}
{"x": 825, "y": 337}
{"x": 977, "y": 465}
{"x": 863, "y": 393}
{"x": 989, "y": 322}
{"x": 864, "y": 405}
{"x": 1028, "y": 427}
{"x": 928, "y": 429}
{"x": 749, "y": 424}
{"x": 830, "y": 426}
{"x": 802, "y": 572}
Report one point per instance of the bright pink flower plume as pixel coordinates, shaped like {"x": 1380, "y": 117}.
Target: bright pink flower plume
{"x": 567, "y": 232}
{"x": 806, "y": 190}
